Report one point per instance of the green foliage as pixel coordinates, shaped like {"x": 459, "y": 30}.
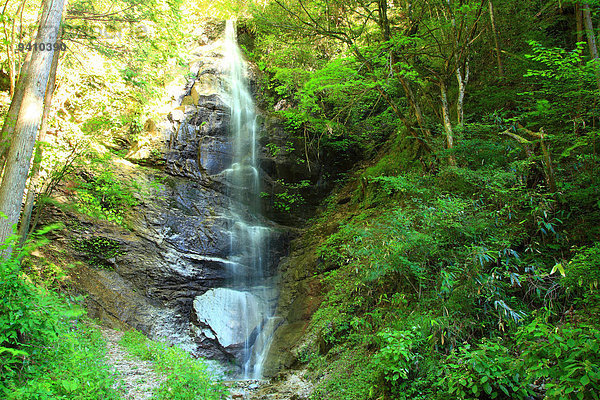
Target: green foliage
{"x": 472, "y": 249}
{"x": 46, "y": 350}
{"x": 98, "y": 249}
{"x": 487, "y": 371}
{"x": 105, "y": 197}
{"x": 351, "y": 376}
{"x": 397, "y": 357}
{"x": 72, "y": 367}
{"x": 26, "y": 313}
{"x": 566, "y": 358}
{"x": 273, "y": 149}
{"x": 288, "y": 199}
{"x": 186, "y": 378}
{"x": 583, "y": 271}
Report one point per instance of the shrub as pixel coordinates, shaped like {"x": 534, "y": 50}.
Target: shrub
{"x": 46, "y": 351}
{"x": 487, "y": 371}
{"x": 584, "y": 269}
{"x": 397, "y": 357}
{"x": 105, "y": 198}
{"x": 566, "y": 359}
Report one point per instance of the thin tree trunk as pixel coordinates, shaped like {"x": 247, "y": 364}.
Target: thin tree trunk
{"x": 579, "y": 23}
{"x": 415, "y": 106}
{"x": 10, "y": 121}
{"x": 34, "y": 180}
{"x": 447, "y": 123}
{"x": 28, "y": 121}
{"x": 383, "y": 19}
{"x": 11, "y": 63}
{"x": 591, "y": 37}
{"x": 496, "y": 39}
{"x": 462, "y": 87}
{"x": 549, "y": 175}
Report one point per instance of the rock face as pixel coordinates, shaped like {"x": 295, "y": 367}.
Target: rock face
{"x": 173, "y": 257}
{"x": 223, "y": 311}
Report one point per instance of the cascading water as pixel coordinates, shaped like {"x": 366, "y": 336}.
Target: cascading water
{"x": 248, "y": 294}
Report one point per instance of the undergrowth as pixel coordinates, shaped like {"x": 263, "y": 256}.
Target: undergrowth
{"x": 186, "y": 378}
{"x": 468, "y": 286}
{"x": 48, "y": 349}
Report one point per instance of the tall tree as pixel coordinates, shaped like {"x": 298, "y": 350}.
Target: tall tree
{"x": 34, "y": 180}
{"x": 496, "y": 38}
{"x": 591, "y": 37}
{"x": 29, "y": 118}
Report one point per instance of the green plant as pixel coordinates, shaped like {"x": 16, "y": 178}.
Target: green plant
{"x": 487, "y": 370}
{"x": 98, "y": 249}
{"x": 583, "y": 271}
{"x": 397, "y": 357}
{"x": 71, "y": 367}
{"x": 565, "y": 358}
{"x": 187, "y": 378}
{"x": 47, "y": 349}
{"x": 289, "y": 199}
{"x": 273, "y": 149}
{"x": 105, "y": 197}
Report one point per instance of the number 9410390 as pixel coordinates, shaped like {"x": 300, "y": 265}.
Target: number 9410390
{"x": 41, "y": 46}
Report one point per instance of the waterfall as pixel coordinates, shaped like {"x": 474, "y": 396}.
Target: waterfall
{"x": 249, "y": 295}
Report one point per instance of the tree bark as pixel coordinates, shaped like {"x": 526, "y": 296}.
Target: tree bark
{"x": 447, "y": 123}
{"x": 591, "y": 37}
{"x": 414, "y": 103}
{"x": 28, "y": 120}
{"x": 462, "y": 87}
{"x": 383, "y": 19}
{"x": 579, "y": 23}
{"x": 34, "y": 180}
{"x": 496, "y": 39}
{"x": 10, "y": 121}
{"x": 549, "y": 175}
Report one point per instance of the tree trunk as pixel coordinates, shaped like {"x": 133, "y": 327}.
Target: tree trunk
{"x": 462, "y": 87}
{"x": 591, "y": 37}
{"x": 447, "y": 122}
{"x": 579, "y": 23}
{"x": 383, "y": 19}
{"x": 546, "y": 157}
{"x": 34, "y": 180}
{"x": 496, "y": 39}
{"x": 28, "y": 120}
{"x": 10, "y": 121}
{"x": 412, "y": 99}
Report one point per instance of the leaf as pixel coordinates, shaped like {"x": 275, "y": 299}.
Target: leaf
{"x": 584, "y": 380}
{"x": 487, "y": 388}
{"x": 560, "y": 268}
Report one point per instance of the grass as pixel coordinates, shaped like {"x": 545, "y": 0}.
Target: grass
{"x": 186, "y": 378}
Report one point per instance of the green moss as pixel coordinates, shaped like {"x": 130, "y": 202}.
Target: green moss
{"x": 98, "y": 250}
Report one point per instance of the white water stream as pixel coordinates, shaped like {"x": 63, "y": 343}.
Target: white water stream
{"x": 249, "y": 294}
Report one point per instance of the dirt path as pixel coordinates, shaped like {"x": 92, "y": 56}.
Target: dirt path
{"x": 138, "y": 378}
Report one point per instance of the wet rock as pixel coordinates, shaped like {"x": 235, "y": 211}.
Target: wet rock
{"x": 232, "y": 315}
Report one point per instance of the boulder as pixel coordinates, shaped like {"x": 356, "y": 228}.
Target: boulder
{"x": 232, "y": 315}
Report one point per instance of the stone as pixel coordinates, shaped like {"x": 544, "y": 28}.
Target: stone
{"x": 188, "y": 100}
{"x": 222, "y": 309}
{"x": 177, "y": 115}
